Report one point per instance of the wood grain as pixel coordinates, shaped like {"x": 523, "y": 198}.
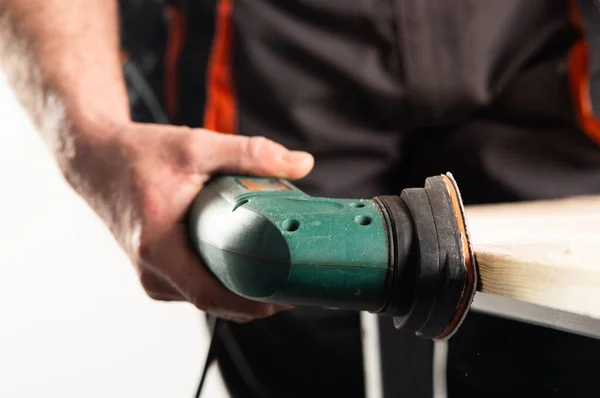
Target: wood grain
{"x": 546, "y": 253}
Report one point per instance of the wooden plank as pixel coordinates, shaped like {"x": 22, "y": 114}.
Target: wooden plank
{"x": 545, "y": 253}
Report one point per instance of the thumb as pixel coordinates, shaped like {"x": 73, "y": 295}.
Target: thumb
{"x": 253, "y": 156}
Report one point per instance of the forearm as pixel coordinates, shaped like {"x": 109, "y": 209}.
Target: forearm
{"x": 61, "y": 58}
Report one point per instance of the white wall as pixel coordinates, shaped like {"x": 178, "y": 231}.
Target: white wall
{"x": 74, "y": 321}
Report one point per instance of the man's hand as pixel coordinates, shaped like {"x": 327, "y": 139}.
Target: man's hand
{"x": 62, "y": 60}
{"x": 141, "y": 180}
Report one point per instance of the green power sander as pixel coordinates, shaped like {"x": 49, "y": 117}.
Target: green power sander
{"x": 405, "y": 256}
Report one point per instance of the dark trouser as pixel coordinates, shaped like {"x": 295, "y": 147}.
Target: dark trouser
{"x": 383, "y": 100}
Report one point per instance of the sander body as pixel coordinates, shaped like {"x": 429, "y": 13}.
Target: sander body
{"x": 406, "y": 256}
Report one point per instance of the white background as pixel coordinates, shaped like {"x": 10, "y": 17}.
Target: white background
{"x": 74, "y": 321}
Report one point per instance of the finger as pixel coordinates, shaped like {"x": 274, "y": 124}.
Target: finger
{"x": 179, "y": 265}
{"x": 252, "y": 156}
{"x": 236, "y": 319}
{"x": 157, "y": 288}
{"x": 166, "y": 297}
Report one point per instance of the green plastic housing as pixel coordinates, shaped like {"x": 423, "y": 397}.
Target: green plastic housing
{"x": 266, "y": 240}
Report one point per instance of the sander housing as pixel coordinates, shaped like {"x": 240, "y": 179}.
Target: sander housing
{"x": 405, "y": 256}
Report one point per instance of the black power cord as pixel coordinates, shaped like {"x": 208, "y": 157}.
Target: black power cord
{"x": 214, "y": 324}
{"x": 138, "y": 82}
{"x": 222, "y": 338}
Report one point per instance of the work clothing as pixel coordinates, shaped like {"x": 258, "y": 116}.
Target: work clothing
{"x": 385, "y": 93}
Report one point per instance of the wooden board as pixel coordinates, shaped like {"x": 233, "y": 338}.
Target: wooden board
{"x": 545, "y": 253}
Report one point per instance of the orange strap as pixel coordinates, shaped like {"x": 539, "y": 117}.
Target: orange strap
{"x": 220, "y": 111}
{"x": 579, "y": 78}
{"x": 175, "y": 39}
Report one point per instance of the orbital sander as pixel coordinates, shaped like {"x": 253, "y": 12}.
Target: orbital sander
{"x": 406, "y": 256}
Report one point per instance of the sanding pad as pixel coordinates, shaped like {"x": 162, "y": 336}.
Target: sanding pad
{"x": 470, "y": 261}
{"x": 435, "y": 269}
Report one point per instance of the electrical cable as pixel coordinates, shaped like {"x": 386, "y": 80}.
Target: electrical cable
{"x": 228, "y": 342}
{"x": 213, "y": 324}
{"x": 145, "y": 92}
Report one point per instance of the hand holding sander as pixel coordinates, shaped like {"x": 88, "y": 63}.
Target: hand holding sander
{"x": 405, "y": 256}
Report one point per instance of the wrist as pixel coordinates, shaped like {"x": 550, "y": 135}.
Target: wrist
{"x": 98, "y": 111}
{"x": 88, "y": 141}
{"x": 97, "y": 124}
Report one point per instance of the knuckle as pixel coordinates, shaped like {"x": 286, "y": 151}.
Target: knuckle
{"x": 148, "y": 282}
{"x": 145, "y": 280}
{"x": 255, "y": 146}
{"x": 146, "y": 252}
{"x": 185, "y": 148}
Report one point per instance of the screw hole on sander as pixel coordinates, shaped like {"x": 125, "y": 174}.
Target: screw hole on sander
{"x": 357, "y": 205}
{"x": 291, "y": 225}
{"x": 362, "y": 220}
